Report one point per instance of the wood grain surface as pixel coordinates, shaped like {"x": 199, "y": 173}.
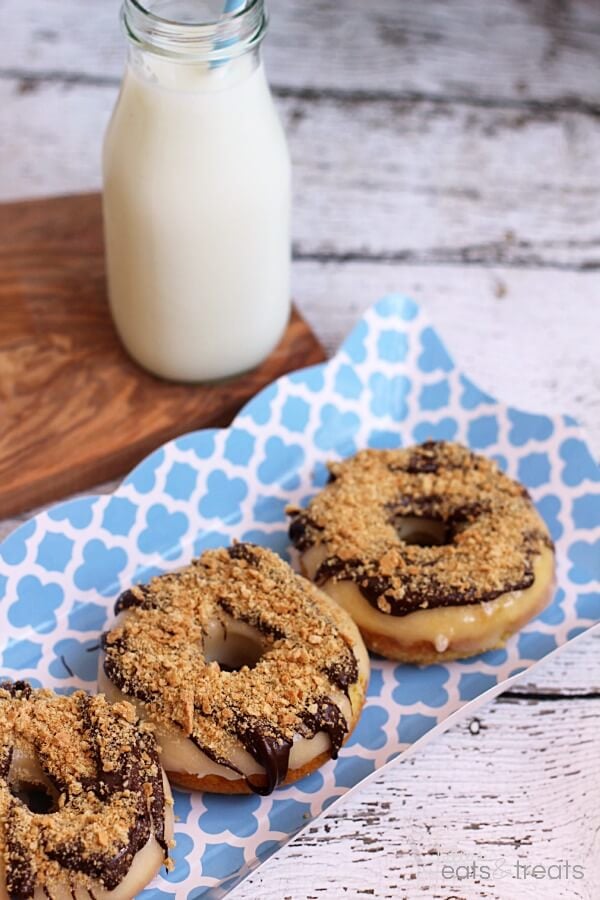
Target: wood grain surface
{"x": 450, "y": 151}
{"x": 74, "y": 408}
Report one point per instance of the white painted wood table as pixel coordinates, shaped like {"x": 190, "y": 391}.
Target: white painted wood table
{"x": 449, "y": 150}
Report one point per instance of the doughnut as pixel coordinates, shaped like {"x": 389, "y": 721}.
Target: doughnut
{"x": 251, "y": 676}
{"x": 85, "y": 807}
{"x": 434, "y": 552}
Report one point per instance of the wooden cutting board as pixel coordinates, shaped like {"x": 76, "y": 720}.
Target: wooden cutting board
{"x": 74, "y": 409}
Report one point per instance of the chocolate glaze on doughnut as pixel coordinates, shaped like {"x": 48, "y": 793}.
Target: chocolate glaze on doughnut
{"x": 105, "y": 771}
{"x": 490, "y": 531}
{"x": 327, "y": 717}
{"x": 134, "y": 597}
{"x": 272, "y": 753}
{"x": 305, "y": 658}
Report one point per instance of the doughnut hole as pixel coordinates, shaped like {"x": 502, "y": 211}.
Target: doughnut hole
{"x": 29, "y": 783}
{"x": 234, "y": 645}
{"x": 422, "y": 532}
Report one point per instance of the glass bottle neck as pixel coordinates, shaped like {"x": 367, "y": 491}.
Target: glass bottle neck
{"x": 209, "y": 32}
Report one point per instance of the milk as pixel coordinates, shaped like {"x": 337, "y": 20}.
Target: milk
{"x": 197, "y": 216}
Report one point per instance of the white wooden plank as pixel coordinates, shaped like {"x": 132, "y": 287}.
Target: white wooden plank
{"x": 50, "y": 138}
{"x": 574, "y": 671}
{"x": 415, "y": 183}
{"x": 509, "y": 51}
{"x": 516, "y": 784}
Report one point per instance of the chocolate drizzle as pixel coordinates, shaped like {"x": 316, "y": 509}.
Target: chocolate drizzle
{"x": 133, "y": 598}
{"x": 158, "y": 799}
{"x": 243, "y": 551}
{"x": 110, "y": 868}
{"x": 423, "y": 459}
{"x": 326, "y": 716}
{"x": 129, "y": 781}
{"x": 114, "y": 673}
{"x": 20, "y": 870}
{"x": 343, "y": 673}
{"x": 437, "y": 595}
{"x": 208, "y": 751}
{"x": 255, "y": 620}
{"x": 6, "y": 755}
{"x": 301, "y": 530}
{"x": 21, "y": 689}
{"x": 269, "y": 749}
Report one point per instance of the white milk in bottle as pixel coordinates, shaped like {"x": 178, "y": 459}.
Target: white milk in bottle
{"x": 197, "y": 192}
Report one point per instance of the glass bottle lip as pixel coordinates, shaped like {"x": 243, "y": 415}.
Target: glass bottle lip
{"x": 232, "y": 35}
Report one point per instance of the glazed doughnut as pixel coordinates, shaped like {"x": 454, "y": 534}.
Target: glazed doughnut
{"x": 85, "y": 808}
{"x": 251, "y": 675}
{"x": 434, "y": 552}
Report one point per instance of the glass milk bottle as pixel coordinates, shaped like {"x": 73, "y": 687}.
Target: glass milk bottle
{"x": 197, "y": 192}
